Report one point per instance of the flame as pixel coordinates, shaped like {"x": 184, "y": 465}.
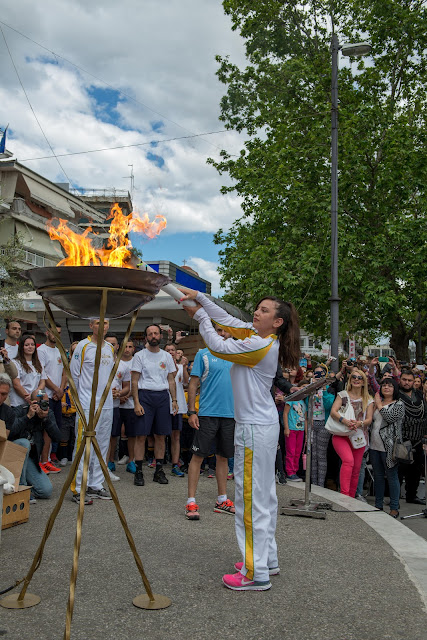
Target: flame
{"x": 117, "y": 252}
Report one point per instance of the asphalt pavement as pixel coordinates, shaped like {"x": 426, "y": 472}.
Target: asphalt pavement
{"x": 351, "y": 576}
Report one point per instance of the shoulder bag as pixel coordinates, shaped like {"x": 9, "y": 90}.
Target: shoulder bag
{"x": 337, "y": 428}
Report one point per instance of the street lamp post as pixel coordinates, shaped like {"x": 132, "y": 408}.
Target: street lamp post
{"x": 358, "y": 49}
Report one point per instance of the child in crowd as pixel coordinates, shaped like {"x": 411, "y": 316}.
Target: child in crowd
{"x": 295, "y": 422}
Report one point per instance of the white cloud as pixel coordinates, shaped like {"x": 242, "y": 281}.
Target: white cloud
{"x": 207, "y": 270}
{"x": 163, "y": 54}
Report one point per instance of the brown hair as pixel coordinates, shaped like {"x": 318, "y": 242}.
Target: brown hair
{"x": 34, "y": 358}
{"x": 288, "y": 333}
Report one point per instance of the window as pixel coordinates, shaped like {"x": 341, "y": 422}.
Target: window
{"x": 37, "y": 260}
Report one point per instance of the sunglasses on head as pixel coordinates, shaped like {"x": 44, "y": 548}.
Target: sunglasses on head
{"x": 356, "y": 377}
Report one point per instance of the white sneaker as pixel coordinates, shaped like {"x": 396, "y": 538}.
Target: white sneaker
{"x": 361, "y": 498}
{"x": 113, "y": 477}
{"x": 63, "y": 462}
{"x": 123, "y": 460}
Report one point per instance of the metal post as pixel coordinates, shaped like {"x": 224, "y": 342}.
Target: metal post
{"x": 334, "y": 299}
{"x": 305, "y": 507}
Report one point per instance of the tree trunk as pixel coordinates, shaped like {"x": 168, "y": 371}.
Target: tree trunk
{"x": 400, "y": 343}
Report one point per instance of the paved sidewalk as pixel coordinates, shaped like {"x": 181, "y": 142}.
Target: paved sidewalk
{"x": 340, "y": 579}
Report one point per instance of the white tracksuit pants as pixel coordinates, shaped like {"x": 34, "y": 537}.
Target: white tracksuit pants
{"x": 255, "y": 497}
{"x": 103, "y": 434}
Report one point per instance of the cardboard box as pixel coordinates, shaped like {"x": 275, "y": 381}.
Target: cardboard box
{"x": 12, "y": 456}
{"x": 16, "y": 506}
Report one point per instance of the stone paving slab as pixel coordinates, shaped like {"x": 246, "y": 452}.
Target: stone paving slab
{"x": 340, "y": 580}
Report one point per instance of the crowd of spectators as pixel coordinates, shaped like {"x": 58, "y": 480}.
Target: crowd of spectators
{"x": 148, "y": 424}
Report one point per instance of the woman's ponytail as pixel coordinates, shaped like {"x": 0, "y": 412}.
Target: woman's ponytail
{"x": 288, "y": 333}
{"x": 289, "y": 337}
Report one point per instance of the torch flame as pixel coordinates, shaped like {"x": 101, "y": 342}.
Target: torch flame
{"x": 117, "y": 252}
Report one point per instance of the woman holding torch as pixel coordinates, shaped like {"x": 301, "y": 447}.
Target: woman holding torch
{"x": 273, "y": 335}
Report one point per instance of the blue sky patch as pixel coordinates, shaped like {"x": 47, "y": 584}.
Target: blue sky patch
{"x": 157, "y": 126}
{"x": 105, "y": 105}
{"x": 155, "y": 159}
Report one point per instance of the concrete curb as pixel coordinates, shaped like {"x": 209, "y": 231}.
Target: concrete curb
{"x": 409, "y": 547}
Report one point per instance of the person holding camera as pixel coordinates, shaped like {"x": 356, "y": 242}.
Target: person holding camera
{"x": 413, "y": 429}
{"x": 322, "y": 404}
{"x": 31, "y": 421}
{"x": 342, "y": 377}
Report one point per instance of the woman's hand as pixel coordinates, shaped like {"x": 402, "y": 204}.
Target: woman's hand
{"x": 374, "y": 363}
{"x": 351, "y": 424}
{"x": 190, "y": 294}
{"x": 378, "y": 401}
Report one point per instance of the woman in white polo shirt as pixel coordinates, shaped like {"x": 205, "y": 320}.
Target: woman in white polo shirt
{"x": 31, "y": 375}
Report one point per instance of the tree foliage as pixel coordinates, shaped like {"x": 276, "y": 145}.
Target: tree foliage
{"x": 282, "y": 102}
{"x": 12, "y": 285}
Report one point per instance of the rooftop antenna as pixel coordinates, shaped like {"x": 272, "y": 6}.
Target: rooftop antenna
{"x": 132, "y": 181}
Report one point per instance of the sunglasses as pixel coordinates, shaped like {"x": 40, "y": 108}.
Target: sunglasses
{"x": 356, "y": 377}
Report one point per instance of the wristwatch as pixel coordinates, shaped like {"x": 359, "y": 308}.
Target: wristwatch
{"x": 340, "y": 419}
{"x": 191, "y": 413}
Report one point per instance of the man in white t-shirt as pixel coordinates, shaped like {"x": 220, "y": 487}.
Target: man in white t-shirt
{"x": 13, "y": 333}
{"x": 82, "y": 369}
{"x": 181, "y": 378}
{"x": 56, "y": 381}
{"x": 152, "y": 379}
{"x": 121, "y": 388}
{"x": 127, "y": 415}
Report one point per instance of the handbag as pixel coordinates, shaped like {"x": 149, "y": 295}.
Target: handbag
{"x": 402, "y": 452}
{"x": 337, "y": 428}
{"x": 358, "y": 439}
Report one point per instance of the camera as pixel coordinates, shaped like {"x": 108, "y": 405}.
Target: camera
{"x": 43, "y": 404}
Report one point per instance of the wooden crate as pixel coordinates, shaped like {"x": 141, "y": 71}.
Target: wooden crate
{"x": 16, "y": 508}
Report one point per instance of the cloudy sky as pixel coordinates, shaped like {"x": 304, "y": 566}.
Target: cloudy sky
{"x": 125, "y": 73}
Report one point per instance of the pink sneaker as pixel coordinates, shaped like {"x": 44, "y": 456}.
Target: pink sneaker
{"x": 272, "y": 572}
{"x": 225, "y": 507}
{"x": 237, "y": 582}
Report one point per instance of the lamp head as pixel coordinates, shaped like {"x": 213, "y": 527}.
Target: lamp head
{"x": 356, "y": 50}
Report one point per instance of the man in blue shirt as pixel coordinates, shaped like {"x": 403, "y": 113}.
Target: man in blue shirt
{"x": 213, "y": 424}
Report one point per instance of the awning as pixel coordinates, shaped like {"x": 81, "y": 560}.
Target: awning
{"x": 53, "y": 201}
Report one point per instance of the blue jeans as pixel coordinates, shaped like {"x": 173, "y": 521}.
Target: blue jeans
{"x": 359, "y": 490}
{"x": 380, "y": 469}
{"x": 31, "y": 475}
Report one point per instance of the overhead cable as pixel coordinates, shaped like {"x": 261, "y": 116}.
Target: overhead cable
{"x": 31, "y": 107}
{"x": 57, "y": 55}
{"x": 126, "y": 146}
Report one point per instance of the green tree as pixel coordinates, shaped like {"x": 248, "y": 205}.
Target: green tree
{"x": 12, "y": 285}
{"x": 281, "y": 101}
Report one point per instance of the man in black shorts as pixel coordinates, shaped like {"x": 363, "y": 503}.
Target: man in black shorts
{"x": 152, "y": 380}
{"x": 213, "y": 425}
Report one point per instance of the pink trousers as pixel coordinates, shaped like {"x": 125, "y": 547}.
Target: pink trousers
{"x": 294, "y": 444}
{"x": 351, "y": 463}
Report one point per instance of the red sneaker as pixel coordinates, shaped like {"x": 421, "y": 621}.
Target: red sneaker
{"x": 50, "y": 468}
{"x": 237, "y": 582}
{"x": 53, "y": 457}
{"x": 42, "y": 466}
{"x": 272, "y": 572}
{"x": 225, "y": 507}
{"x": 192, "y": 511}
